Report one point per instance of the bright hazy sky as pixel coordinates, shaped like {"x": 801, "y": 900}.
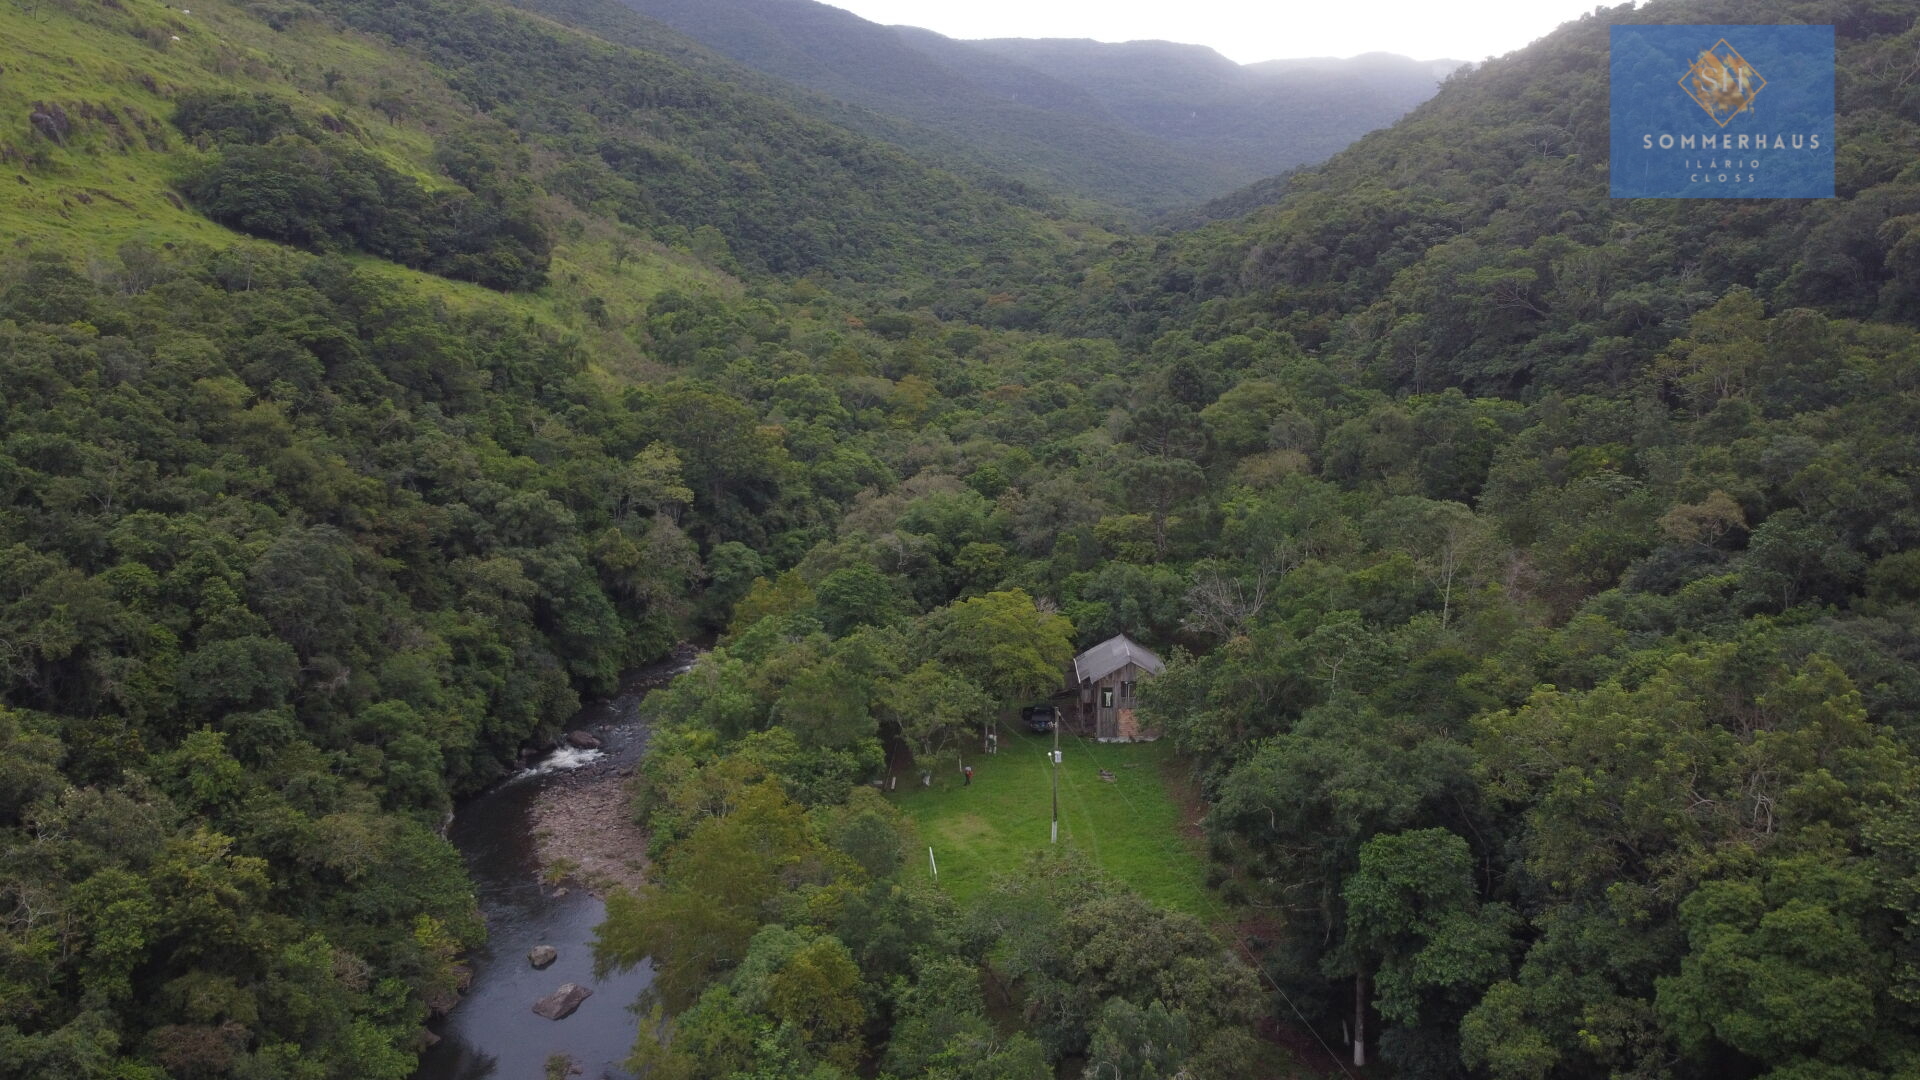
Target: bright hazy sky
{"x": 1250, "y": 30}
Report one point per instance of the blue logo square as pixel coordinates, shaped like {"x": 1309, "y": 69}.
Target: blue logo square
{"x": 1722, "y": 112}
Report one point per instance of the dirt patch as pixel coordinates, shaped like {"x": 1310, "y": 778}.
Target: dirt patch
{"x": 584, "y": 832}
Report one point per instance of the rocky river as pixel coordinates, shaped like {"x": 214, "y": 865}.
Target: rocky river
{"x": 541, "y": 847}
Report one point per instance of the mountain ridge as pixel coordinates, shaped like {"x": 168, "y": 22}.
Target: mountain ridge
{"x": 1264, "y": 118}
{"x": 1069, "y": 131}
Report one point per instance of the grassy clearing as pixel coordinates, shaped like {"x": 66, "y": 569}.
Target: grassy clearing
{"x": 1133, "y": 827}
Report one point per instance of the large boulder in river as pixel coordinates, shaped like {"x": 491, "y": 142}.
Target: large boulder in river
{"x": 541, "y": 956}
{"x": 581, "y": 740}
{"x": 560, "y": 1004}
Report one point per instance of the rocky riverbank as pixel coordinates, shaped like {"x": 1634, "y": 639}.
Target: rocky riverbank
{"x": 583, "y": 829}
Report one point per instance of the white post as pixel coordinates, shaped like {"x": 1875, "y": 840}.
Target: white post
{"x": 931, "y": 864}
{"x": 1056, "y": 782}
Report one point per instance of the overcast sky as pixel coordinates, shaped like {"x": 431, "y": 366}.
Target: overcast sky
{"x": 1250, "y": 30}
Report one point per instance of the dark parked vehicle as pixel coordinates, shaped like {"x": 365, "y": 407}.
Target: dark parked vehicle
{"x": 1040, "y": 717}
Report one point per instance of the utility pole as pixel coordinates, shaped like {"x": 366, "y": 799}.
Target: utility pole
{"x": 1057, "y": 721}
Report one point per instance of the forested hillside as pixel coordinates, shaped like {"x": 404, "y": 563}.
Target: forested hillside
{"x": 1537, "y": 572}
{"x": 1148, "y": 125}
{"x": 1559, "y": 695}
{"x": 1473, "y": 243}
{"x": 356, "y": 426}
{"x": 418, "y": 102}
{"x": 999, "y": 118}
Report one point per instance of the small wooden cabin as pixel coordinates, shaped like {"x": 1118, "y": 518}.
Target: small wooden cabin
{"x": 1107, "y": 678}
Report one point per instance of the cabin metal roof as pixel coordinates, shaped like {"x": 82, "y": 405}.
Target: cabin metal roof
{"x": 1113, "y": 654}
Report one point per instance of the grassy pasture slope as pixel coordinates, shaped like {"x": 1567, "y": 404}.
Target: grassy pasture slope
{"x": 114, "y": 69}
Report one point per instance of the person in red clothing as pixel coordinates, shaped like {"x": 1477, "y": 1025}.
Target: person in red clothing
{"x": 966, "y": 772}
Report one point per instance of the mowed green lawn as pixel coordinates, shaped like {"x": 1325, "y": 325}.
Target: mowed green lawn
{"x": 1133, "y": 828}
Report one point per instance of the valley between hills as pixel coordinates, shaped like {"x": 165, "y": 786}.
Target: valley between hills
{"x": 1477, "y": 614}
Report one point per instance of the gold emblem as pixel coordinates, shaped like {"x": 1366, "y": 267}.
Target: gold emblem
{"x": 1722, "y": 82}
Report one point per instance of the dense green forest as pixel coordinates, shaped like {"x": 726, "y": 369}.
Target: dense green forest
{"x": 1538, "y": 573}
